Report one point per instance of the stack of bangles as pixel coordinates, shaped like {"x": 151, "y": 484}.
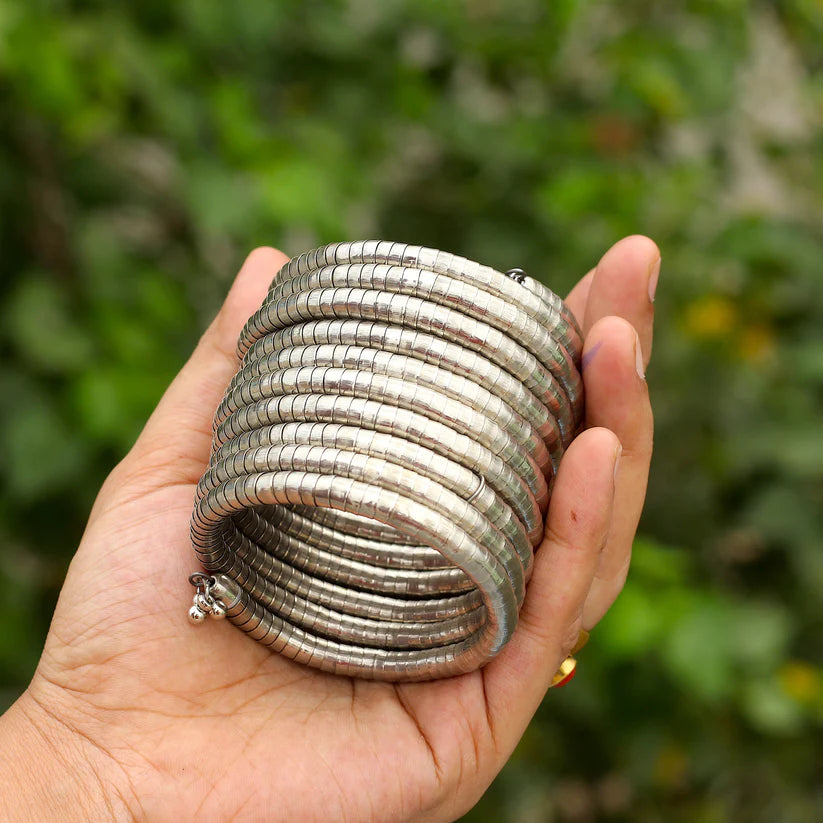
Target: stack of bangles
{"x": 383, "y": 459}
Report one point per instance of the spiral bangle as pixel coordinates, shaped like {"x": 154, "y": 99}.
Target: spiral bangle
{"x": 382, "y": 460}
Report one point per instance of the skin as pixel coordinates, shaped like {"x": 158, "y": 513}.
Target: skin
{"x": 132, "y": 714}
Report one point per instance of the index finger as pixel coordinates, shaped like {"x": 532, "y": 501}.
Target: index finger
{"x": 623, "y": 284}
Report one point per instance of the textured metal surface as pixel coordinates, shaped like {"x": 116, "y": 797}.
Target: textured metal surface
{"x": 383, "y": 459}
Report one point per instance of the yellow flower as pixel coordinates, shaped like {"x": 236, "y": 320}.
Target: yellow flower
{"x": 710, "y": 317}
{"x": 756, "y": 343}
{"x": 801, "y": 681}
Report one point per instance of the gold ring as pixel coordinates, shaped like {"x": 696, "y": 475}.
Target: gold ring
{"x": 568, "y": 668}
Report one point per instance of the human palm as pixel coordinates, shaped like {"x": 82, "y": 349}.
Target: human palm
{"x": 154, "y": 720}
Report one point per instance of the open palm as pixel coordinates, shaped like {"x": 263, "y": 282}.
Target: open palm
{"x": 150, "y": 719}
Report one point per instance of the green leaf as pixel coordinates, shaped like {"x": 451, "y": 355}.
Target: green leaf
{"x": 43, "y": 328}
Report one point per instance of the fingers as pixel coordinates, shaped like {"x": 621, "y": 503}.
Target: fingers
{"x": 617, "y": 398}
{"x": 623, "y": 284}
{"x": 177, "y": 438}
{"x": 616, "y": 306}
{"x": 550, "y": 620}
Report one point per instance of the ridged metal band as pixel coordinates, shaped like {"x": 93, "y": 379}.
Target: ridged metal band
{"x": 383, "y": 459}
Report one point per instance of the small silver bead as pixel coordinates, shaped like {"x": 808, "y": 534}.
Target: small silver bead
{"x": 196, "y": 615}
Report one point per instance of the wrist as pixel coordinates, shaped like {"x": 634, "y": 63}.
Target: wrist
{"x": 49, "y": 772}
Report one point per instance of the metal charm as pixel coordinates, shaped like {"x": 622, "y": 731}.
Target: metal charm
{"x": 205, "y": 604}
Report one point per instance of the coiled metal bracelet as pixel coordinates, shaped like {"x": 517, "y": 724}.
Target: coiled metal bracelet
{"x": 383, "y": 458}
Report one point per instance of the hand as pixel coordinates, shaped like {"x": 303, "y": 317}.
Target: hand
{"x": 133, "y": 714}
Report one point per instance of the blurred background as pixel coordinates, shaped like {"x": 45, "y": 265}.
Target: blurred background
{"x": 146, "y": 147}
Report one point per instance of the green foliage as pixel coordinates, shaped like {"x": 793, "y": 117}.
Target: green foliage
{"x": 146, "y": 147}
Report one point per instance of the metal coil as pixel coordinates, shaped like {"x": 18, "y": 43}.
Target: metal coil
{"x": 383, "y": 458}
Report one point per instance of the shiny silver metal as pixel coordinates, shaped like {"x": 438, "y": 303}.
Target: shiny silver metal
{"x": 206, "y": 602}
{"x": 383, "y": 459}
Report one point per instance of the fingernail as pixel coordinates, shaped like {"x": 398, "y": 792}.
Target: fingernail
{"x": 618, "y": 451}
{"x": 638, "y": 358}
{"x": 654, "y": 273}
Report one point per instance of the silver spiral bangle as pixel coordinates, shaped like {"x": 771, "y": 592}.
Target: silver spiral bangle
{"x": 383, "y": 458}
